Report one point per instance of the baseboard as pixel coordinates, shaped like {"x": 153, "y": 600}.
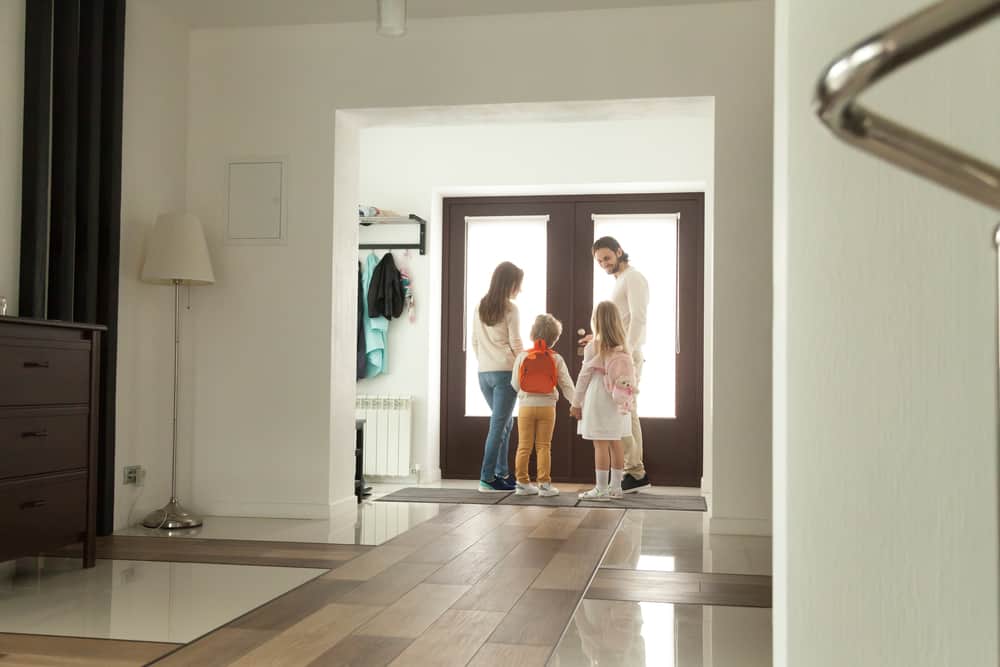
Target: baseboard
{"x": 719, "y": 525}
{"x": 270, "y": 510}
{"x": 348, "y": 504}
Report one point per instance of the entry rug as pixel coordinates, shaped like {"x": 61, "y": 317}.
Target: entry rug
{"x": 643, "y": 501}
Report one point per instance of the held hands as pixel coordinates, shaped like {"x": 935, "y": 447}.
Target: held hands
{"x": 575, "y": 412}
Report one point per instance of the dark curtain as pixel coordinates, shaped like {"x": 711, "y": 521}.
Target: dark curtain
{"x": 71, "y": 184}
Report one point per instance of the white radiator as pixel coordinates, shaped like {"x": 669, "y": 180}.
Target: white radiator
{"x": 387, "y": 433}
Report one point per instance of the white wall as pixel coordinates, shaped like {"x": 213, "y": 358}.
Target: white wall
{"x": 11, "y": 111}
{"x": 262, "y": 428}
{"x": 153, "y": 182}
{"x": 554, "y": 156}
{"x": 885, "y": 369}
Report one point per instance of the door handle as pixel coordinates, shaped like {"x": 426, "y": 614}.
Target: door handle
{"x": 36, "y": 364}
{"x": 35, "y": 434}
{"x": 33, "y": 504}
{"x": 854, "y": 71}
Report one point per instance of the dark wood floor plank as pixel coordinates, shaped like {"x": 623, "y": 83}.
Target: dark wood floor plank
{"x": 390, "y": 585}
{"x": 17, "y": 649}
{"x": 362, "y": 651}
{"x": 231, "y": 552}
{"x": 681, "y": 587}
{"x": 218, "y": 649}
{"x": 491, "y": 655}
{"x": 598, "y": 518}
{"x": 453, "y": 639}
{"x": 283, "y": 612}
{"x": 537, "y": 619}
{"x": 532, "y": 552}
{"x": 309, "y": 638}
{"x": 413, "y": 613}
{"x": 499, "y": 590}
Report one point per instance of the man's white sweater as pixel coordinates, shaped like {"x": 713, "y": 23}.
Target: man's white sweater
{"x": 631, "y": 296}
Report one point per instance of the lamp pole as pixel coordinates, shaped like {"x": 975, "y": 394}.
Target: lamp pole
{"x": 172, "y": 515}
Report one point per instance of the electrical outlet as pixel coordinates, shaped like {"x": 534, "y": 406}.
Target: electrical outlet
{"x": 134, "y": 475}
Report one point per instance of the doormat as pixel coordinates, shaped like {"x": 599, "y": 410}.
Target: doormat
{"x": 638, "y": 501}
{"x": 649, "y": 501}
{"x": 422, "y": 494}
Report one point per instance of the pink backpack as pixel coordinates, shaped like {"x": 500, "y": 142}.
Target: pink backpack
{"x": 619, "y": 380}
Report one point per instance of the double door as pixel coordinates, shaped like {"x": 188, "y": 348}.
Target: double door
{"x": 550, "y": 238}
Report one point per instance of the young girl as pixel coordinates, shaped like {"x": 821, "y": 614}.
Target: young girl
{"x": 496, "y": 341}
{"x": 603, "y": 404}
{"x": 537, "y": 373}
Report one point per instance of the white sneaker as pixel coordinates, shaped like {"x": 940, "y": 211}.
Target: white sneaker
{"x": 594, "y": 494}
{"x": 528, "y": 489}
{"x": 547, "y": 490}
{"x": 615, "y": 494}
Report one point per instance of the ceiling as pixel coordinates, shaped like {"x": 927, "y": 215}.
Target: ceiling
{"x": 245, "y": 13}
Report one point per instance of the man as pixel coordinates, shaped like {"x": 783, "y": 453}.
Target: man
{"x": 631, "y": 295}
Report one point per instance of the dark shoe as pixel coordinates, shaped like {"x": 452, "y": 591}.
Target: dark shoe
{"x": 497, "y": 485}
{"x": 630, "y": 484}
{"x": 510, "y": 481}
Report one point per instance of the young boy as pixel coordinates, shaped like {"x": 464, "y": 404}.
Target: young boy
{"x": 536, "y": 374}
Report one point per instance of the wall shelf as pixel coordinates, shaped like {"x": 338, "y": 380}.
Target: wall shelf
{"x": 367, "y": 221}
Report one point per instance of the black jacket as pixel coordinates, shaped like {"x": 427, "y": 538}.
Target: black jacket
{"x": 385, "y": 293}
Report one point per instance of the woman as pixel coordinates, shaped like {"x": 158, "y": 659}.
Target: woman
{"x": 496, "y": 341}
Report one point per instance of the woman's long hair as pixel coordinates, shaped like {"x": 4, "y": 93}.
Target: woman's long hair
{"x": 505, "y": 281}
{"x": 609, "y": 331}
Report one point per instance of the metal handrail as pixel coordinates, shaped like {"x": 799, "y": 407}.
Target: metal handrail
{"x": 856, "y": 70}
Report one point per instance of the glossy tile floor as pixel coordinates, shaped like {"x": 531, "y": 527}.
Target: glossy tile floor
{"x": 680, "y": 542}
{"x": 137, "y": 600}
{"x": 636, "y": 634}
{"x": 372, "y": 524}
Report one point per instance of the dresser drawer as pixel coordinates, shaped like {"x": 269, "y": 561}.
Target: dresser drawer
{"x": 41, "y": 440}
{"x": 44, "y": 374}
{"x": 42, "y": 513}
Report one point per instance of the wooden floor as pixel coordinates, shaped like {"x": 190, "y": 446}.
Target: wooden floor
{"x": 495, "y": 580}
{"x": 231, "y": 552}
{"x": 476, "y": 584}
{"x": 705, "y": 588}
{"x": 39, "y": 650}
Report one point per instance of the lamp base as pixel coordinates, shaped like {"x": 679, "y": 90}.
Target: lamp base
{"x": 171, "y": 516}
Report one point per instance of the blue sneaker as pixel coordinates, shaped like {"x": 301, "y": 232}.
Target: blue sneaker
{"x": 495, "y": 486}
{"x": 510, "y": 481}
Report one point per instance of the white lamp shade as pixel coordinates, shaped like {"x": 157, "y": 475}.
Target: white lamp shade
{"x": 391, "y": 18}
{"x": 177, "y": 251}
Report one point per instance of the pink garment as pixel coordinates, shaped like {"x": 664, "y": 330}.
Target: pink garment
{"x": 619, "y": 378}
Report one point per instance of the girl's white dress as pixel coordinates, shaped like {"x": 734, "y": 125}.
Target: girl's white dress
{"x": 601, "y": 419}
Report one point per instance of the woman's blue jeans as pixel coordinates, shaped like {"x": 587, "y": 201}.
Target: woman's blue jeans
{"x": 500, "y": 396}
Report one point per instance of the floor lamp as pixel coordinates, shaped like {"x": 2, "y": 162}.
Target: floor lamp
{"x": 176, "y": 254}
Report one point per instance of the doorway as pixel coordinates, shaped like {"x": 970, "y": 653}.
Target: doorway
{"x": 550, "y": 237}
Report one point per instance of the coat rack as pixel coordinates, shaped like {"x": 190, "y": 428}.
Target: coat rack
{"x": 396, "y": 220}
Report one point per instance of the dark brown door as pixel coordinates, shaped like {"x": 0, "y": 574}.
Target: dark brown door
{"x": 552, "y": 237}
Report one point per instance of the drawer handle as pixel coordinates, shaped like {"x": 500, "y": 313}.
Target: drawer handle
{"x": 32, "y": 504}
{"x": 36, "y": 364}
{"x": 35, "y": 434}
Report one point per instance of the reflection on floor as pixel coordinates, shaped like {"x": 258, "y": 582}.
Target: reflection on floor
{"x": 372, "y": 524}
{"x": 139, "y": 600}
{"x": 632, "y": 634}
{"x": 680, "y": 542}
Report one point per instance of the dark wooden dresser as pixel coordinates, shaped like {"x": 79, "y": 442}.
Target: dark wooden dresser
{"x": 49, "y": 373}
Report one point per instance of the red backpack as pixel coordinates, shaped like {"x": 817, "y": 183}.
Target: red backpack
{"x": 538, "y": 370}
